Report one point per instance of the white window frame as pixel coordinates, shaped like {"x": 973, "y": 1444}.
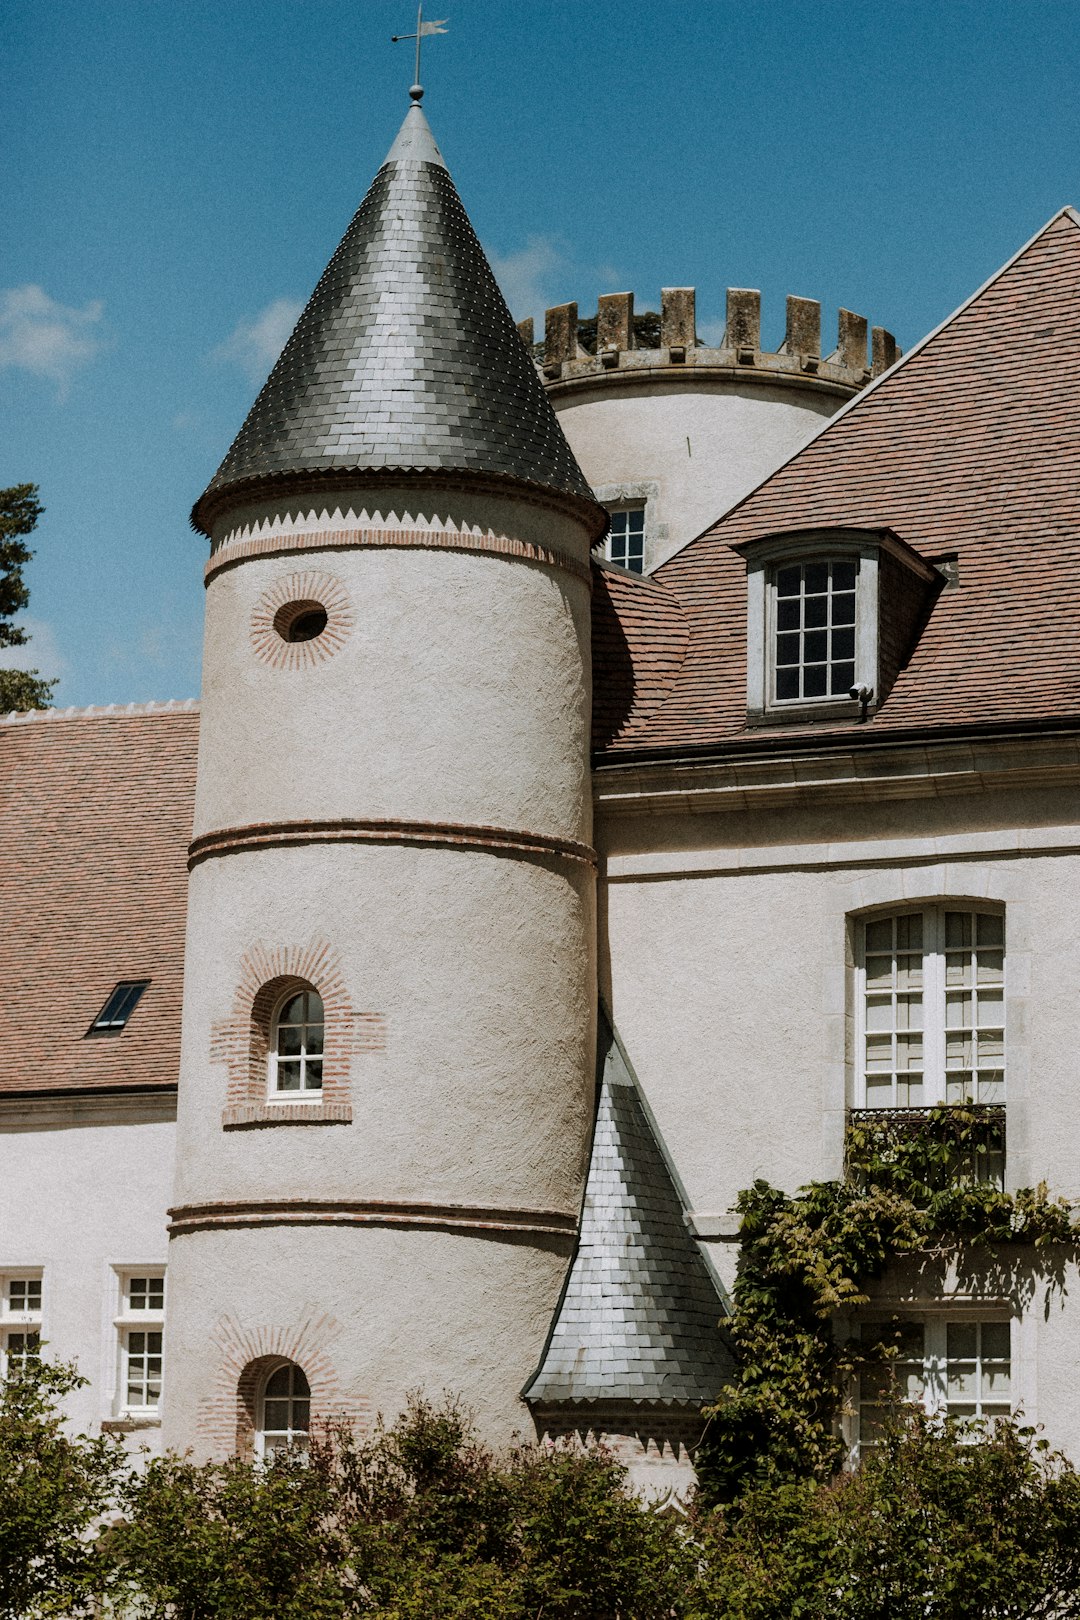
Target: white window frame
{"x": 132, "y": 1318}
{"x": 291, "y": 1436}
{"x": 18, "y": 1324}
{"x": 764, "y": 559}
{"x": 935, "y": 995}
{"x": 310, "y": 1094}
{"x": 934, "y": 1397}
{"x": 628, "y": 510}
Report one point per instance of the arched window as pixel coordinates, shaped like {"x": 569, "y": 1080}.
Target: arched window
{"x": 296, "y": 1046}
{"x": 284, "y": 1411}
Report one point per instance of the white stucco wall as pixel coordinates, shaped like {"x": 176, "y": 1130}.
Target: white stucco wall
{"x": 729, "y": 972}
{"x": 84, "y": 1187}
{"x": 457, "y": 697}
{"x": 693, "y": 448}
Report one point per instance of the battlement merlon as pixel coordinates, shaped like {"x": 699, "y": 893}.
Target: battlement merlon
{"x": 617, "y": 341}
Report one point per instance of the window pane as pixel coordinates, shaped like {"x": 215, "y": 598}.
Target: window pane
{"x": 288, "y": 1076}
{"x": 843, "y": 644}
{"x": 879, "y": 935}
{"x": 289, "y": 1039}
{"x": 962, "y": 1340}
{"x": 279, "y": 1382}
{"x": 996, "y": 1341}
{"x": 814, "y": 681}
{"x": 313, "y": 1074}
{"x": 787, "y": 683}
{"x": 843, "y": 609}
{"x": 788, "y": 581}
{"x": 815, "y": 647}
{"x": 842, "y": 679}
{"x": 787, "y": 650}
{"x": 843, "y": 576}
{"x": 817, "y": 611}
{"x": 787, "y": 615}
{"x": 991, "y": 929}
{"x": 816, "y": 576}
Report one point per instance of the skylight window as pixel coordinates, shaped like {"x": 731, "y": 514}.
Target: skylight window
{"x": 119, "y": 1007}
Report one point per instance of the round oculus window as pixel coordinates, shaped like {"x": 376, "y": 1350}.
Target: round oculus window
{"x": 300, "y": 621}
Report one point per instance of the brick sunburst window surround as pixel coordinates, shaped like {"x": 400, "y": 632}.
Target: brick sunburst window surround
{"x": 242, "y": 1041}
{"x": 313, "y": 589}
{"x": 228, "y": 1417}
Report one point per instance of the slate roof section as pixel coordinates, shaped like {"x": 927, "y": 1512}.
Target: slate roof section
{"x": 639, "y": 1318}
{"x": 95, "y": 820}
{"x": 406, "y": 357}
{"x": 969, "y": 445}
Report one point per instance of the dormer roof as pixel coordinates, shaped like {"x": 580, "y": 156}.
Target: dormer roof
{"x": 406, "y": 358}
{"x": 968, "y": 450}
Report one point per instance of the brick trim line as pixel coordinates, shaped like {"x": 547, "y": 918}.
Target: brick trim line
{"x": 187, "y": 1218}
{"x": 448, "y": 834}
{"x": 252, "y": 1115}
{"x": 232, "y": 552}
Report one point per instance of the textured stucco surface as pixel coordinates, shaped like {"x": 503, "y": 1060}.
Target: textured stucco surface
{"x": 375, "y": 1314}
{"x": 461, "y": 694}
{"x": 738, "y": 433}
{"x": 481, "y": 966}
{"x": 84, "y": 1195}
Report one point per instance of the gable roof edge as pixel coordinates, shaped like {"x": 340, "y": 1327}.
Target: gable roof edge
{"x": 1067, "y": 211}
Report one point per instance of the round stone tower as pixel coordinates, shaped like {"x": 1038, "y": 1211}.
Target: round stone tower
{"x": 675, "y": 430}
{"x": 389, "y": 1022}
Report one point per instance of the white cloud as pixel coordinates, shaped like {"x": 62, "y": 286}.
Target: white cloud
{"x": 255, "y": 344}
{"x": 39, "y": 335}
{"x": 40, "y": 651}
{"x": 527, "y": 278}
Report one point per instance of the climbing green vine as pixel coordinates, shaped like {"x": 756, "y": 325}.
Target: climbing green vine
{"x": 918, "y": 1187}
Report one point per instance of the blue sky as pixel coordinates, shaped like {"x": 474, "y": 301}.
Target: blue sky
{"x": 175, "y": 177}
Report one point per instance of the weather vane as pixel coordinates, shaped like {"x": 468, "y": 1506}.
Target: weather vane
{"x": 423, "y": 29}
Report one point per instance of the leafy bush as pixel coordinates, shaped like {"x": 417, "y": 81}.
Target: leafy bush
{"x": 53, "y": 1489}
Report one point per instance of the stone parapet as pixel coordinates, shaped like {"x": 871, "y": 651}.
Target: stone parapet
{"x": 616, "y": 340}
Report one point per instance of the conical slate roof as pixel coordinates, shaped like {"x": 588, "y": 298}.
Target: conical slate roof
{"x": 639, "y": 1317}
{"x": 406, "y": 357}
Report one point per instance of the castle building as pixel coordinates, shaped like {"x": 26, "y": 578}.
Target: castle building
{"x": 619, "y": 760}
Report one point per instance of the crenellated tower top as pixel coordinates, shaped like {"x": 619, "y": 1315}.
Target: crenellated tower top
{"x": 616, "y": 339}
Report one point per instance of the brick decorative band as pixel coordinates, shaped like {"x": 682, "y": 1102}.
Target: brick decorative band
{"x": 232, "y": 552}
{"x": 390, "y": 1212}
{"x": 448, "y": 834}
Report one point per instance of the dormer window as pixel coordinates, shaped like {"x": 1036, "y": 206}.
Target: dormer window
{"x": 832, "y": 616}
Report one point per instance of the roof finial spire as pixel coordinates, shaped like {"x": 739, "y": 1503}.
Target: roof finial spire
{"x": 423, "y": 29}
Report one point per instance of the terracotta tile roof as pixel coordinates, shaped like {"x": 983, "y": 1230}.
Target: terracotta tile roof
{"x": 640, "y": 635}
{"x": 95, "y": 820}
{"x": 971, "y": 445}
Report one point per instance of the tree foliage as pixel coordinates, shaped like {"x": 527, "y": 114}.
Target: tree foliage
{"x": 906, "y": 1192}
{"x": 420, "y": 1521}
{"x": 53, "y": 1488}
{"x": 19, "y": 512}
{"x": 939, "y": 1523}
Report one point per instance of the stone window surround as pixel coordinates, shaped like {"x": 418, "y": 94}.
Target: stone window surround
{"x": 932, "y": 994}
{"x": 124, "y": 1320}
{"x": 639, "y": 492}
{"x": 763, "y": 558}
{"x": 989, "y": 883}
{"x": 935, "y": 1317}
{"x": 16, "y": 1321}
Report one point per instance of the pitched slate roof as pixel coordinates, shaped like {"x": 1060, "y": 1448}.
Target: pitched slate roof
{"x": 969, "y": 445}
{"x": 406, "y": 357}
{"x": 95, "y": 820}
{"x": 639, "y": 1317}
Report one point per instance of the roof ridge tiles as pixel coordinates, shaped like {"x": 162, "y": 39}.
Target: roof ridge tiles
{"x": 99, "y": 711}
